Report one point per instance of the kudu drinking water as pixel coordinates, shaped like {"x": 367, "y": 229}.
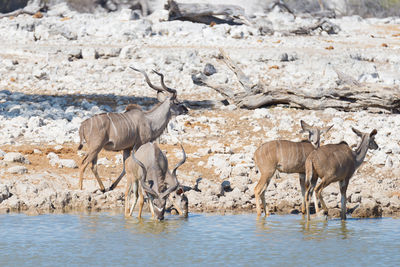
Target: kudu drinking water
{"x": 127, "y": 131}
{"x": 148, "y": 174}
{"x": 336, "y": 163}
{"x": 179, "y": 201}
{"x": 287, "y": 157}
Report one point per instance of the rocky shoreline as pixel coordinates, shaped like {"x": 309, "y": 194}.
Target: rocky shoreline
{"x": 57, "y": 70}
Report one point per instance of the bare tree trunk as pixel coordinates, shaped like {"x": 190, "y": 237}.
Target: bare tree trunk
{"x": 350, "y": 96}
{"x": 205, "y": 13}
{"x": 32, "y": 7}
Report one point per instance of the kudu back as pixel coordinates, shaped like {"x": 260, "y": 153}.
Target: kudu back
{"x": 148, "y": 174}
{"x": 287, "y": 157}
{"x": 127, "y": 131}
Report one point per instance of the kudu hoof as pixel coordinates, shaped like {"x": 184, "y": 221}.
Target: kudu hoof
{"x": 101, "y": 190}
{"x": 110, "y": 188}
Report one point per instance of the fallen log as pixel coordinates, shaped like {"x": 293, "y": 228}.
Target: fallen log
{"x": 31, "y": 8}
{"x": 348, "y": 96}
{"x": 205, "y": 13}
{"x": 322, "y": 24}
{"x": 17, "y": 12}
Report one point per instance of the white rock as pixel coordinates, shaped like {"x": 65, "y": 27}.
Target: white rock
{"x": 126, "y": 14}
{"x": 240, "y": 182}
{"x": 118, "y": 159}
{"x": 52, "y": 155}
{"x": 204, "y": 151}
{"x": 104, "y": 161}
{"x": 37, "y": 151}
{"x": 15, "y": 157}
{"x": 17, "y": 170}
{"x": 67, "y": 163}
{"x": 261, "y": 113}
{"x": 89, "y": 53}
{"x": 208, "y": 187}
{"x": 235, "y": 194}
{"x": 194, "y": 197}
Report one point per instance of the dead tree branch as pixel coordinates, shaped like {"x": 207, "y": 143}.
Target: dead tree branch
{"x": 205, "y": 13}
{"x": 349, "y": 96}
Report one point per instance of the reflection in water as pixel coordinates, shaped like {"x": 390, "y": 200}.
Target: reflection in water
{"x": 202, "y": 239}
{"x": 145, "y": 226}
{"x": 324, "y": 229}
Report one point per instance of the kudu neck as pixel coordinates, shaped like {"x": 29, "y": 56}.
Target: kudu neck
{"x": 315, "y": 144}
{"x": 361, "y": 151}
{"x": 159, "y": 118}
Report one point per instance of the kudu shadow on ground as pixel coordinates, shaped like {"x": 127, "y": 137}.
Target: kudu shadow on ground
{"x": 17, "y": 104}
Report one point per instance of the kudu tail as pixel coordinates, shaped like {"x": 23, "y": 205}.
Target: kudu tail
{"x": 81, "y": 137}
{"x": 309, "y": 172}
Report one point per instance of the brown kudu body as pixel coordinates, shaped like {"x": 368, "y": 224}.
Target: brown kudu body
{"x": 126, "y": 131}
{"x": 287, "y": 157}
{"x": 336, "y": 163}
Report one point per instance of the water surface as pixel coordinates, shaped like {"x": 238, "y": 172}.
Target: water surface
{"x": 104, "y": 239}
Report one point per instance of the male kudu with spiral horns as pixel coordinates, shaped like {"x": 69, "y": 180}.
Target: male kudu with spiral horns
{"x": 129, "y": 130}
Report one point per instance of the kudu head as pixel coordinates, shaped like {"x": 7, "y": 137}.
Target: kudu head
{"x": 158, "y": 196}
{"x": 181, "y": 201}
{"x": 371, "y": 137}
{"x": 314, "y": 133}
{"x": 165, "y": 93}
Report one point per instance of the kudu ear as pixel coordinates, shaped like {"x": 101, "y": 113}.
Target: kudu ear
{"x": 357, "y": 132}
{"x": 326, "y": 129}
{"x": 179, "y": 191}
{"x": 305, "y": 127}
{"x": 373, "y": 133}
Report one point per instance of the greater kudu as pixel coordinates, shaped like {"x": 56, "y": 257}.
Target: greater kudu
{"x": 128, "y": 130}
{"x": 147, "y": 173}
{"x": 287, "y": 157}
{"x": 336, "y": 163}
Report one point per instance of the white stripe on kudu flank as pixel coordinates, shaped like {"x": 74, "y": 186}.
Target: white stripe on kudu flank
{"x": 337, "y": 157}
{"x": 128, "y": 125}
{"x": 112, "y": 123}
{"x": 91, "y": 128}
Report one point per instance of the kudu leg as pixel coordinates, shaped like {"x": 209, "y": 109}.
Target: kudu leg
{"x": 89, "y": 158}
{"x": 259, "y": 192}
{"x": 125, "y": 155}
{"x": 151, "y": 208}
{"x": 81, "y": 172}
{"x": 309, "y": 191}
{"x": 263, "y": 202}
{"x": 127, "y": 198}
{"x": 141, "y": 202}
{"x": 96, "y": 174}
{"x": 302, "y": 179}
{"x": 343, "y": 188}
{"x": 308, "y": 202}
{"x": 135, "y": 194}
{"x": 318, "y": 193}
